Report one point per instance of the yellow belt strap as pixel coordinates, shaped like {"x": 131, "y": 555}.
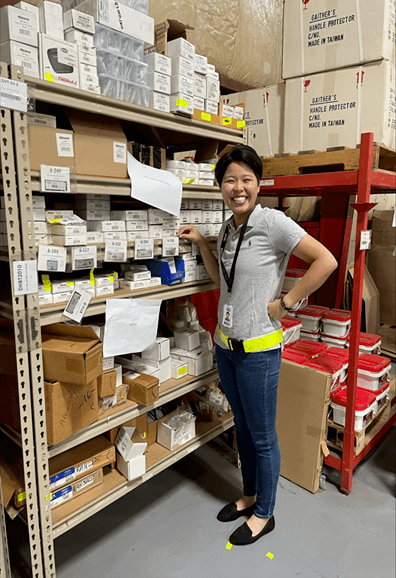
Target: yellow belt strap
{"x": 258, "y": 343}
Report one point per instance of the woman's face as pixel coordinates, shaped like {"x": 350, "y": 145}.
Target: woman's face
{"x": 239, "y": 189}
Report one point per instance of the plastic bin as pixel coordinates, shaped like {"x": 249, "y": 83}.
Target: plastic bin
{"x": 162, "y": 269}
{"x": 311, "y": 317}
{"x": 328, "y": 364}
{"x": 123, "y": 90}
{"x": 311, "y": 348}
{"x": 292, "y": 277}
{"x": 291, "y": 329}
{"x": 295, "y": 356}
{"x": 336, "y": 322}
{"x": 311, "y": 335}
{"x": 368, "y": 343}
{"x": 333, "y": 340}
{"x": 373, "y": 371}
{"x": 343, "y": 355}
{"x": 382, "y": 396}
{"x": 364, "y": 409}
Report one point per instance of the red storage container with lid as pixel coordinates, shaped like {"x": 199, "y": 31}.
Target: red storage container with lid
{"x": 291, "y": 329}
{"x": 292, "y": 277}
{"x": 368, "y": 343}
{"x": 343, "y": 355}
{"x": 313, "y": 348}
{"x": 328, "y": 364}
{"x": 365, "y": 407}
{"x": 382, "y": 396}
{"x": 373, "y": 371}
{"x": 311, "y": 316}
{"x": 336, "y": 322}
{"x": 296, "y": 356}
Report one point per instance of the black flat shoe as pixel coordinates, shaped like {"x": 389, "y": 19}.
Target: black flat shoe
{"x": 243, "y": 535}
{"x": 230, "y": 512}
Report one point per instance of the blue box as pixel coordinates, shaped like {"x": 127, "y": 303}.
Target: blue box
{"x": 162, "y": 269}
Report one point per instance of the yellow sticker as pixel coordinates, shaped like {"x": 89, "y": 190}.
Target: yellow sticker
{"x": 116, "y": 274}
{"x": 55, "y": 221}
{"x": 240, "y": 123}
{"x": 270, "y": 555}
{"x": 21, "y": 496}
{"x": 226, "y": 121}
{"x": 144, "y": 434}
{"x": 182, "y": 102}
{"x": 46, "y": 282}
{"x": 206, "y": 116}
{"x": 229, "y": 546}
{"x": 181, "y": 370}
{"x": 91, "y": 277}
{"x": 70, "y": 283}
{"x": 184, "y": 181}
{"x": 190, "y": 181}
{"x": 48, "y": 76}
{"x": 213, "y": 167}
{"x": 111, "y": 278}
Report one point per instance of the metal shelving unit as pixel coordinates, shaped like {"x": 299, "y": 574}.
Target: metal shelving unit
{"x": 160, "y": 128}
{"x": 336, "y": 189}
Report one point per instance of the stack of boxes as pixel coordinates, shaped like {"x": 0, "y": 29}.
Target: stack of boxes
{"x": 194, "y": 348}
{"x": 80, "y": 30}
{"x": 182, "y": 54}
{"x": 159, "y": 80}
{"x": 192, "y": 173}
{"x": 200, "y": 72}
{"x": 19, "y": 27}
{"x": 41, "y": 227}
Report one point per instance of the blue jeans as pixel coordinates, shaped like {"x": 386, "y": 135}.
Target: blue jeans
{"x": 250, "y": 382}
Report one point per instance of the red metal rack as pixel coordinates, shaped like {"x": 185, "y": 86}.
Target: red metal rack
{"x": 335, "y": 225}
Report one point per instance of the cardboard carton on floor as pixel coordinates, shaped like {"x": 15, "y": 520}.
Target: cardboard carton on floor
{"x": 327, "y": 34}
{"x": 69, "y": 407}
{"x": 334, "y": 108}
{"x": 71, "y": 354}
{"x": 100, "y": 145}
{"x": 171, "y": 438}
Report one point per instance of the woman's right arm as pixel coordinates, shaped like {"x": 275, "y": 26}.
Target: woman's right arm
{"x": 211, "y": 265}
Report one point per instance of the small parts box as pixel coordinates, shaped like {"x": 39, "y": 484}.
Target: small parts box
{"x": 291, "y": 329}
{"x": 368, "y": 343}
{"x": 336, "y": 322}
{"x": 365, "y": 407}
{"x": 373, "y": 371}
{"x": 311, "y": 317}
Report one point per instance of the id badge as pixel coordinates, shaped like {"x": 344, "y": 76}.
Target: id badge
{"x": 227, "y": 315}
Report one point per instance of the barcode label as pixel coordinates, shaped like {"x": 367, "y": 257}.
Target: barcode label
{"x": 52, "y": 265}
{"x": 55, "y": 186}
{"x": 119, "y": 152}
{"x": 24, "y": 32}
{"x": 13, "y": 97}
{"x": 115, "y": 256}
{"x": 143, "y": 254}
{"x": 84, "y": 483}
{"x": 84, "y": 264}
{"x": 74, "y": 300}
{"x": 13, "y": 94}
{"x": 26, "y": 64}
{"x": 84, "y": 467}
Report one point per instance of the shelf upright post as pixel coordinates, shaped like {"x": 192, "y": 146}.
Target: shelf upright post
{"x": 5, "y": 570}
{"x": 362, "y": 206}
{"x": 33, "y": 336}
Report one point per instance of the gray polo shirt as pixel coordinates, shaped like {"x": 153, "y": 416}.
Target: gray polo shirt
{"x": 269, "y": 239}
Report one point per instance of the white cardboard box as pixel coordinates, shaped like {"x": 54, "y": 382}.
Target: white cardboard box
{"x": 179, "y": 369}
{"x": 182, "y": 66}
{"x": 73, "y": 35}
{"x": 130, "y": 443}
{"x": 264, "y": 117}
{"x": 181, "y": 102}
{"x": 198, "y": 361}
{"x": 159, "y": 351}
{"x": 79, "y": 21}
{"x": 173, "y": 438}
{"x": 187, "y": 339}
{"x": 334, "y": 108}
{"x": 133, "y": 468}
{"x": 159, "y": 101}
{"x": 158, "y": 63}
{"x": 180, "y": 83}
{"x": 181, "y": 47}
{"x": 12, "y": 52}
{"x": 199, "y": 85}
{"x": 328, "y": 34}
{"x": 201, "y": 64}
{"x": 18, "y": 25}
{"x": 164, "y": 367}
{"x": 51, "y": 19}
{"x": 58, "y": 60}
{"x": 212, "y": 89}
{"x": 159, "y": 82}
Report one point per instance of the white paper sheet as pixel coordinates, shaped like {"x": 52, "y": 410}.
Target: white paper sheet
{"x": 131, "y": 325}
{"x": 155, "y": 187}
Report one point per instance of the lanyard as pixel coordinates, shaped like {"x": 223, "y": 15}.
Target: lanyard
{"x": 229, "y": 279}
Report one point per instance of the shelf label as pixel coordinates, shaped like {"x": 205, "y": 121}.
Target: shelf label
{"x": 119, "y": 152}
{"x": 51, "y": 258}
{"x": 25, "y": 277}
{"x": 77, "y": 305}
{"x": 55, "y": 179}
{"x": 84, "y": 257}
{"x": 13, "y": 95}
{"x": 365, "y": 240}
{"x": 170, "y": 246}
{"x": 144, "y": 248}
{"x": 116, "y": 251}
{"x": 64, "y": 144}
{"x": 267, "y": 182}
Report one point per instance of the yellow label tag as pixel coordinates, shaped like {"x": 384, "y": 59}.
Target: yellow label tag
{"x": 226, "y": 121}
{"x": 46, "y": 282}
{"x": 70, "y": 283}
{"x": 116, "y": 274}
{"x": 190, "y": 182}
{"x": 184, "y": 181}
{"x": 182, "y": 102}
{"x": 144, "y": 434}
{"x": 55, "y": 221}
{"x": 213, "y": 167}
{"x": 181, "y": 370}
{"x": 270, "y": 555}
{"x": 240, "y": 123}
{"x": 206, "y": 116}
{"x": 21, "y": 496}
{"x": 111, "y": 278}
{"x": 48, "y": 76}
{"x": 229, "y": 546}
{"x": 91, "y": 277}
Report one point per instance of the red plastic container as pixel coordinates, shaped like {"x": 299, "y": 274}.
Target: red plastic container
{"x": 328, "y": 364}
{"x": 373, "y": 371}
{"x": 311, "y": 316}
{"x": 296, "y": 356}
{"x": 336, "y": 322}
{"x": 313, "y": 348}
{"x": 343, "y": 355}
{"x": 292, "y": 277}
{"x": 291, "y": 329}
{"x": 368, "y": 343}
{"x": 364, "y": 409}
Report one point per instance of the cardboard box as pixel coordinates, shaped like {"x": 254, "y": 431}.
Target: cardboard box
{"x": 78, "y": 21}
{"x": 58, "y": 60}
{"x": 71, "y": 354}
{"x": 77, "y": 462}
{"x": 107, "y": 383}
{"x": 69, "y": 407}
{"x": 143, "y": 388}
{"x": 384, "y": 233}
{"x": 182, "y": 67}
{"x": 159, "y": 82}
{"x": 12, "y": 479}
{"x": 158, "y": 63}
{"x": 130, "y": 443}
{"x": 264, "y": 117}
{"x": 370, "y": 301}
{"x": 133, "y": 468}
{"x": 198, "y": 361}
{"x": 20, "y": 54}
{"x": 187, "y": 339}
{"x": 114, "y": 403}
{"x": 201, "y": 64}
{"x": 181, "y": 102}
{"x": 334, "y": 108}
{"x": 181, "y": 47}
{"x": 44, "y": 149}
{"x": 206, "y": 116}
{"x": 50, "y": 19}
{"x": 173, "y": 438}
{"x": 179, "y": 369}
{"x": 325, "y": 34}
{"x": 100, "y": 145}
{"x": 164, "y": 366}
{"x": 18, "y": 25}
{"x": 382, "y": 265}
{"x": 182, "y": 84}
{"x": 69, "y": 492}
{"x": 159, "y": 101}
{"x": 388, "y": 338}
{"x": 199, "y": 85}
{"x": 159, "y": 351}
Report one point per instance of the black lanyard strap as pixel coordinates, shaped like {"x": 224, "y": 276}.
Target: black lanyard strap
{"x": 229, "y": 279}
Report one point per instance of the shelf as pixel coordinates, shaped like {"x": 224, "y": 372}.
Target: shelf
{"x": 169, "y": 390}
{"x": 85, "y": 185}
{"x": 170, "y": 128}
{"x": 115, "y": 486}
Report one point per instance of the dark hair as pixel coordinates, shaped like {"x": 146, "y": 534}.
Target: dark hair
{"x": 239, "y": 154}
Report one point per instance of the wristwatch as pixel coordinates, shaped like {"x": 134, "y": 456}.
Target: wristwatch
{"x": 284, "y": 306}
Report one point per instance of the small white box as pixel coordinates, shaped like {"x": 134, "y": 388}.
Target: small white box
{"x": 159, "y": 82}
{"x": 199, "y": 103}
{"x": 179, "y": 369}
{"x": 131, "y": 469}
{"x": 207, "y": 205}
{"x": 108, "y": 362}
{"x": 227, "y": 111}
{"x": 94, "y": 237}
{"x": 201, "y": 272}
{"x": 159, "y": 101}
{"x": 185, "y": 217}
{"x": 199, "y": 85}
{"x": 129, "y": 443}
{"x": 77, "y": 230}
{"x": 18, "y": 25}
{"x": 12, "y": 52}
{"x": 206, "y": 217}
{"x": 83, "y": 284}
{"x": 62, "y": 286}
{"x": 172, "y": 164}
{"x": 208, "y": 230}
{"x": 190, "y": 271}
{"x": 182, "y": 84}
{"x": 29, "y": 8}
{"x": 92, "y": 205}
{"x": 78, "y": 21}
{"x": 154, "y": 282}
{"x": 40, "y": 228}
{"x": 159, "y": 351}
{"x": 94, "y": 215}
{"x": 38, "y": 214}
{"x": 172, "y": 438}
{"x": 155, "y": 231}
{"x": 164, "y": 367}
{"x": 206, "y": 182}
{"x": 87, "y": 69}
{"x": 51, "y": 19}
{"x": 217, "y": 217}
{"x": 201, "y": 64}
{"x": 182, "y": 67}
{"x": 58, "y": 60}
{"x": 181, "y": 47}
{"x": 137, "y": 275}
{"x": 187, "y": 339}
{"x": 39, "y": 240}
{"x": 196, "y": 216}
{"x": 211, "y": 107}
{"x": 182, "y": 103}
{"x": 78, "y": 36}
{"x": 69, "y": 240}
{"x": 196, "y": 204}
{"x": 106, "y": 290}
{"x": 132, "y": 285}
{"x": 88, "y": 58}
{"x": 61, "y": 297}
{"x": 46, "y": 299}
{"x": 136, "y": 226}
{"x": 115, "y": 236}
{"x": 118, "y": 369}
{"x": 158, "y": 63}
{"x": 155, "y": 216}
{"x": 212, "y": 89}
{"x": 239, "y": 112}
{"x": 106, "y": 226}
{"x": 130, "y": 215}
{"x": 198, "y": 361}
{"x": 218, "y": 205}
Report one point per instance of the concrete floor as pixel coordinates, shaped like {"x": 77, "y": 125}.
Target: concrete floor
{"x": 167, "y": 527}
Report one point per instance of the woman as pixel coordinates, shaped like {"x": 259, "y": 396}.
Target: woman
{"x": 253, "y": 248}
